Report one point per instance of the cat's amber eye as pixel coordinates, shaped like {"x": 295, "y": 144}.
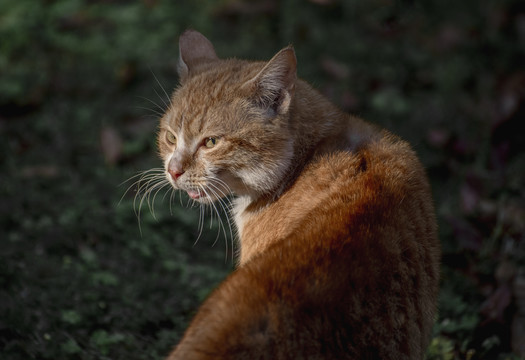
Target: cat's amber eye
{"x": 171, "y": 138}
{"x": 210, "y": 142}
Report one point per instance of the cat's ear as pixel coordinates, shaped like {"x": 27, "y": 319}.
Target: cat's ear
{"x": 274, "y": 85}
{"x": 194, "y": 49}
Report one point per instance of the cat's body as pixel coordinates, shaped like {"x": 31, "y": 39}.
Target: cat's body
{"x": 339, "y": 257}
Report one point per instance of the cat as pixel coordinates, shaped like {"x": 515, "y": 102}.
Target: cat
{"x": 338, "y": 249}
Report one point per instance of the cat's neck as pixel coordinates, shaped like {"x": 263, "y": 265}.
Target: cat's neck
{"x": 317, "y": 128}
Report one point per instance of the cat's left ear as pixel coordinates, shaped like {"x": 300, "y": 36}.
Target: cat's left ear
{"x": 194, "y": 49}
{"x": 274, "y": 85}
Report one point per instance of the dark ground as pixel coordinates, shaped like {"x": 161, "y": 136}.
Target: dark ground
{"x": 79, "y": 99}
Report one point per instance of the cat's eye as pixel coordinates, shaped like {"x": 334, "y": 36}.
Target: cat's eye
{"x": 171, "y": 138}
{"x": 210, "y": 142}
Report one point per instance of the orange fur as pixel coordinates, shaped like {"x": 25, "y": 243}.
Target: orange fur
{"x": 339, "y": 257}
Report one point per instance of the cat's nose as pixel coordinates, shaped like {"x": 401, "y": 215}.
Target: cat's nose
{"x": 175, "y": 173}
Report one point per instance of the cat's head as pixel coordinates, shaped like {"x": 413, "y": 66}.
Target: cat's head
{"x": 227, "y": 128}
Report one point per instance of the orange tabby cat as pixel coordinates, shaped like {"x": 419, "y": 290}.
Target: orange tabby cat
{"x": 339, "y": 257}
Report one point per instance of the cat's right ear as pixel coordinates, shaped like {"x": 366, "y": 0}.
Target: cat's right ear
{"x": 194, "y": 49}
{"x": 274, "y": 85}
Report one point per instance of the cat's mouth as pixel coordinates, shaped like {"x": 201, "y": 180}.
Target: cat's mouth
{"x": 196, "y": 194}
{"x": 200, "y": 195}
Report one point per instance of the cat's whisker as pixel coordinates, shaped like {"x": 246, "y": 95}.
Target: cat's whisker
{"x": 224, "y": 199}
{"x": 163, "y": 90}
{"x": 140, "y": 191}
{"x": 141, "y": 175}
{"x": 160, "y": 110}
{"x": 220, "y": 223}
{"x": 223, "y": 193}
{"x": 227, "y": 210}
{"x": 173, "y": 193}
{"x": 145, "y": 181}
{"x": 142, "y": 186}
{"x": 160, "y": 186}
{"x": 148, "y": 183}
{"x": 222, "y": 190}
{"x": 180, "y": 199}
{"x": 161, "y": 99}
{"x": 211, "y": 205}
{"x": 200, "y": 226}
{"x": 222, "y": 183}
{"x": 166, "y": 194}
{"x": 225, "y": 206}
{"x": 155, "y": 188}
{"x": 156, "y": 113}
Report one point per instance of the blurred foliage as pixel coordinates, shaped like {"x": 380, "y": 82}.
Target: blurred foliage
{"x": 83, "y": 82}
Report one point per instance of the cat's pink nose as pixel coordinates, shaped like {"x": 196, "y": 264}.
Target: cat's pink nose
{"x": 175, "y": 173}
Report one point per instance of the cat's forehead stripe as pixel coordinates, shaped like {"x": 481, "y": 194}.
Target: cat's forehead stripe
{"x": 197, "y": 102}
{"x": 194, "y": 120}
{"x": 196, "y": 107}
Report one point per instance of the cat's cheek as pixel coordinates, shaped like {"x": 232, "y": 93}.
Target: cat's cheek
{"x": 259, "y": 180}
{"x": 234, "y": 182}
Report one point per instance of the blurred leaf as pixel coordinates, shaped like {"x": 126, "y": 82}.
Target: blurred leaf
{"x": 104, "y": 278}
{"x": 390, "y": 101}
{"x": 103, "y": 341}
{"x": 440, "y": 348}
{"x": 71, "y": 316}
{"x": 71, "y": 347}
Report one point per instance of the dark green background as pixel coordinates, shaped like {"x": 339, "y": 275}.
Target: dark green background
{"x": 81, "y": 86}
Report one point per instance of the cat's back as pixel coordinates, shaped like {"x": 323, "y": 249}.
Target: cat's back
{"x": 379, "y": 187}
{"x": 357, "y": 261}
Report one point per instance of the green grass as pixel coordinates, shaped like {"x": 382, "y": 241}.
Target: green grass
{"x": 82, "y": 277}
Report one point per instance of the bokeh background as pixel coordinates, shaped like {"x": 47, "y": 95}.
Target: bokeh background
{"x": 82, "y": 84}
